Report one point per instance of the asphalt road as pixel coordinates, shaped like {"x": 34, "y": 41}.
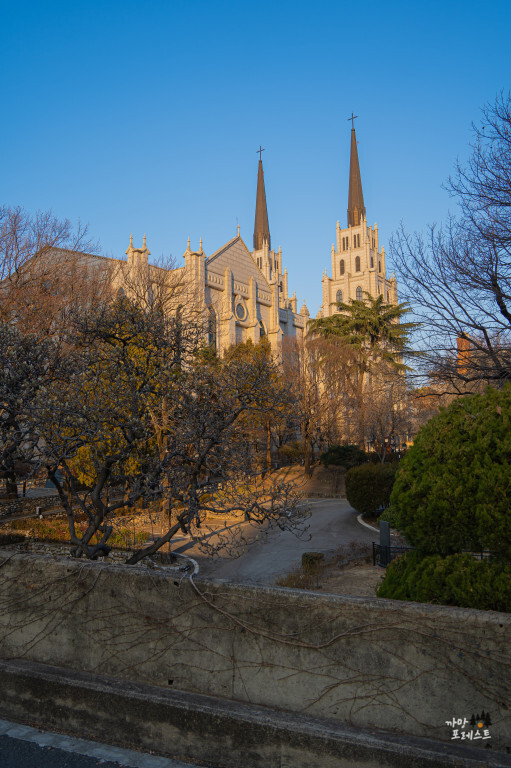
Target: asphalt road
{"x": 333, "y": 525}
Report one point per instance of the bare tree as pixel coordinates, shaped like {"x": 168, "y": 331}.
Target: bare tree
{"x": 265, "y": 427}
{"x": 145, "y": 419}
{"x": 47, "y": 267}
{"x": 458, "y": 277}
{"x": 96, "y": 424}
{"x": 316, "y": 370}
{"x": 29, "y": 367}
{"x": 387, "y": 413}
{"x": 157, "y": 287}
{"x": 368, "y": 340}
{"x": 211, "y": 463}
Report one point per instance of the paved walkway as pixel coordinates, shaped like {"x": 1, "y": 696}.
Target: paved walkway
{"x": 333, "y": 524}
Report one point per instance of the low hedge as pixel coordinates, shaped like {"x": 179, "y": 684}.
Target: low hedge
{"x": 10, "y": 538}
{"x": 368, "y": 487}
{"x": 456, "y": 579}
{"x": 344, "y": 456}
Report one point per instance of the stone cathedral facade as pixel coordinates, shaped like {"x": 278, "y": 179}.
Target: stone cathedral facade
{"x": 242, "y": 293}
{"x": 358, "y": 263}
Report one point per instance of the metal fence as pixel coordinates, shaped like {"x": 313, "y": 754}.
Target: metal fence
{"x": 383, "y": 555}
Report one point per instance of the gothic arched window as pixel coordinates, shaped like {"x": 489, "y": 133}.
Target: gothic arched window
{"x": 341, "y": 267}
{"x": 212, "y": 328}
{"x": 357, "y": 264}
{"x": 338, "y": 297}
{"x": 359, "y": 293}
{"x": 379, "y": 266}
{"x": 262, "y": 330}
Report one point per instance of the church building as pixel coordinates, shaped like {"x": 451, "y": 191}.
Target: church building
{"x": 243, "y": 293}
{"x": 246, "y": 292}
{"x": 358, "y": 264}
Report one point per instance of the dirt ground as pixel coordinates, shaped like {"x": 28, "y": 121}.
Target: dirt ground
{"x": 359, "y": 580}
{"x": 324, "y": 481}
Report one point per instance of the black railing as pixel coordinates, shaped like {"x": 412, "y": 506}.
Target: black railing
{"x": 383, "y": 555}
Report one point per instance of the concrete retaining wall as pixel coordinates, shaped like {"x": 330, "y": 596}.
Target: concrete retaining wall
{"x": 369, "y": 663}
{"x": 187, "y": 726}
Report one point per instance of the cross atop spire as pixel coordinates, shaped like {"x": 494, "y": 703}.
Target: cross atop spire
{"x": 356, "y": 208}
{"x": 261, "y": 226}
{"x": 352, "y": 118}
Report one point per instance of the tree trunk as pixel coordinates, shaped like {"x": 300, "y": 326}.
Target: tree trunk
{"x": 268, "y": 445}
{"x": 307, "y": 450}
{"x": 11, "y": 486}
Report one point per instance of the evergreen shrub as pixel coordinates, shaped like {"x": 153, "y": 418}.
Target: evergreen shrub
{"x": 344, "y": 456}
{"x": 452, "y": 496}
{"x": 390, "y": 516}
{"x": 453, "y": 487}
{"x": 457, "y": 579}
{"x": 368, "y": 487}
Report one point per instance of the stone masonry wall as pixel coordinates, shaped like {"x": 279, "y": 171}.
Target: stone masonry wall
{"x": 402, "y": 667}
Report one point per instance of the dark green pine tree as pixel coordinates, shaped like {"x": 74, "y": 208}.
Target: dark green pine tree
{"x": 371, "y": 327}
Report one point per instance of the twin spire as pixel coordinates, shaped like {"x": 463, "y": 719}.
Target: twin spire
{"x": 356, "y": 207}
{"x": 261, "y": 226}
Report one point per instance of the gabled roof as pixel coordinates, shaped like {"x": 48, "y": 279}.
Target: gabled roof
{"x": 235, "y": 255}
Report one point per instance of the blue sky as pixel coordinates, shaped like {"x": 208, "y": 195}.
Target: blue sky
{"x": 146, "y": 117}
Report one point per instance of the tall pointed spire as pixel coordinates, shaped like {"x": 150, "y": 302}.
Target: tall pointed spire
{"x": 261, "y": 226}
{"x": 356, "y": 208}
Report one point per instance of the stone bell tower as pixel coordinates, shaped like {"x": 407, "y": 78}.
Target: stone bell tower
{"x": 358, "y": 264}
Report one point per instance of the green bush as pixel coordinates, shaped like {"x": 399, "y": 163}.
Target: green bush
{"x": 453, "y": 487}
{"x": 453, "y": 580}
{"x": 344, "y": 456}
{"x": 391, "y": 516}
{"x": 369, "y": 486}
{"x": 390, "y": 458}
{"x": 291, "y": 451}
